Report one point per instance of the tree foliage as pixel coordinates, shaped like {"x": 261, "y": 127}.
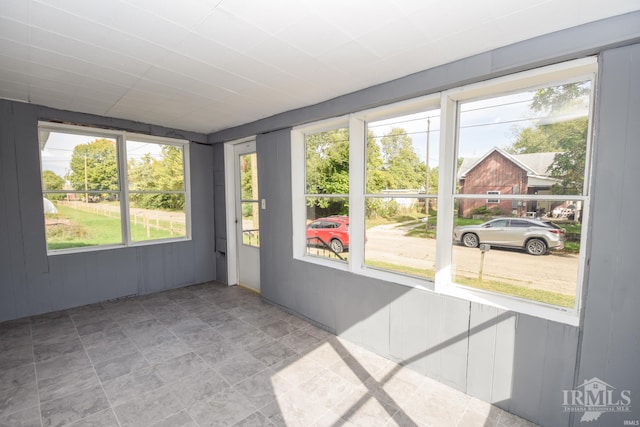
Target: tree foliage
{"x": 155, "y": 176}
{"x": 402, "y": 166}
{"x": 567, "y": 138}
{"x": 392, "y": 164}
{"x": 52, "y": 181}
{"x": 94, "y": 166}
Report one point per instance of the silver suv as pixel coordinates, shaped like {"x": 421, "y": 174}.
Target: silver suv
{"x": 535, "y": 236}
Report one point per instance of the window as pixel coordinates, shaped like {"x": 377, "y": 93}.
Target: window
{"x": 532, "y": 143}
{"x": 480, "y": 192}
{"x": 249, "y": 200}
{"x": 107, "y": 188}
{"x": 493, "y": 201}
{"x": 324, "y": 189}
{"x": 401, "y": 203}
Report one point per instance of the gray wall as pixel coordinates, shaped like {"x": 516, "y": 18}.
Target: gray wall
{"x": 519, "y": 362}
{"x": 610, "y": 344}
{"x": 32, "y": 282}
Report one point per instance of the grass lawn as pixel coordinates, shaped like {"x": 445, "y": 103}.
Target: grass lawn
{"x": 547, "y": 297}
{"x": 89, "y": 229}
{"x": 412, "y": 271}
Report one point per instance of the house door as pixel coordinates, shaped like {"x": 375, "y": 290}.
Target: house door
{"x": 247, "y": 215}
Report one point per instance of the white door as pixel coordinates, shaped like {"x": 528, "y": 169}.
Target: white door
{"x": 247, "y": 215}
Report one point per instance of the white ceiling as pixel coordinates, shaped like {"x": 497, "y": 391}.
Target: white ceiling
{"x": 206, "y": 65}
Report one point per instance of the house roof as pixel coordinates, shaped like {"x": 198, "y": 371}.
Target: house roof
{"x": 535, "y": 164}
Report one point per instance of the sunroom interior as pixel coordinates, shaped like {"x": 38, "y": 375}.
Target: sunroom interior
{"x": 366, "y": 213}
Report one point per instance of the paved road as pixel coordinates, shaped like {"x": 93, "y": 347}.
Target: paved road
{"x": 555, "y": 272}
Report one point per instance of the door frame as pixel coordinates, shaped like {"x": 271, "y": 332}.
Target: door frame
{"x": 230, "y": 201}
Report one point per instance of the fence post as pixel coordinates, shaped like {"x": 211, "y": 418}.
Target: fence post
{"x": 146, "y": 224}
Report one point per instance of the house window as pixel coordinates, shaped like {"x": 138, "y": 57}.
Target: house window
{"x": 493, "y": 201}
{"x": 509, "y": 173}
{"x": 106, "y": 188}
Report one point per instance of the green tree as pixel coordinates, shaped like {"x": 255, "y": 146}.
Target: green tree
{"x": 52, "y": 181}
{"x": 327, "y": 167}
{"x": 157, "y": 176}
{"x": 566, "y": 137}
{"x": 403, "y": 167}
{"x": 94, "y": 166}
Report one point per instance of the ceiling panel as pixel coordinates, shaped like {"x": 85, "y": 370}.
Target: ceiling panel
{"x": 204, "y": 65}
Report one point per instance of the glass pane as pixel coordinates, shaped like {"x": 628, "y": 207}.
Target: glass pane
{"x": 534, "y": 248}
{"x": 153, "y": 224}
{"x": 154, "y": 167}
{"x": 328, "y": 227}
{"x": 251, "y": 223}
{"x": 327, "y": 168}
{"x": 532, "y": 142}
{"x": 400, "y": 237}
{"x": 72, "y": 223}
{"x": 402, "y": 154}
{"x": 249, "y": 176}
{"x": 78, "y": 162}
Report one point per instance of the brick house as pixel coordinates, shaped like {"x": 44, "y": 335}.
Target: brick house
{"x": 498, "y": 172}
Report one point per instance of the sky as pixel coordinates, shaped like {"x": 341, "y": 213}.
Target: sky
{"x": 484, "y": 124}
{"x": 58, "y": 150}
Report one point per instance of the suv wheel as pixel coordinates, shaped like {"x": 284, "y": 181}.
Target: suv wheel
{"x": 536, "y": 247}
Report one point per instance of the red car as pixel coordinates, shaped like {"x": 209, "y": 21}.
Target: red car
{"x": 332, "y": 231}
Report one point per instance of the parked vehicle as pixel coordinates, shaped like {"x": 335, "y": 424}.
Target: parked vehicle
{"x": 535, "y": 236}
{"x": 332, "y": 231}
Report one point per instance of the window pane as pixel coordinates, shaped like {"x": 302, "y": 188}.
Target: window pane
{"x": 400, "y": 236}
{"x": 402, "y": 154}
{"x": 81, "y": 190}
{"x": 79, "y": 163}
{"x": 551, "y": 229}
{"x": 155, "y": 174}
{"x": 327, "y": 162}
{"x": 154, "y": 167}
{"x": 532, "y": 142}
{"x": 152, "y": 224}
{"x": 73, "y": 223}
{"x": 249, "y": 176}
{"x": 251, "y": 223}
{"x": 327, "y": 230}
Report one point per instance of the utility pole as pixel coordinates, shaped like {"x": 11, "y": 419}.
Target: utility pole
{"x": 86, "y": 186}
{"x": 427, "y": 163}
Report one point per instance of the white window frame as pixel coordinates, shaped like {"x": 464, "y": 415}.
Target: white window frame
{"x": 298, "y": 190}
{"x": 568, "y": 72}
{"x": 121, "y": 138}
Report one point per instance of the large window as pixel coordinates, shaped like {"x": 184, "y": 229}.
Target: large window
{"x": 532, "y": 144}
{"x": 480, "y": 192}
{"x": 327, "y": 193}
{"x": 401, "y": 193}
{"x": 107, "y": 188}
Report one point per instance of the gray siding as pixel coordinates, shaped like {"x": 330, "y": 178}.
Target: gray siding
{"x": 32, "y": 282}
{"x": 610, "y": 347}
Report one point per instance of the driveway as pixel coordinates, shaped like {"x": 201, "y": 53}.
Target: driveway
{"x": 555, "y": 272}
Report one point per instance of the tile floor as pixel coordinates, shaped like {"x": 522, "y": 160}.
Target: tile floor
{"x": 209, "y": 355}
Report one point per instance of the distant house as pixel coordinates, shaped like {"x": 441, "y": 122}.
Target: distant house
{"x": 497, "y": 173}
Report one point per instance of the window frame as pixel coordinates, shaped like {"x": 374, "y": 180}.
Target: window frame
{"x": 448, "y": 101}
{"x": 123, "y": 191}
